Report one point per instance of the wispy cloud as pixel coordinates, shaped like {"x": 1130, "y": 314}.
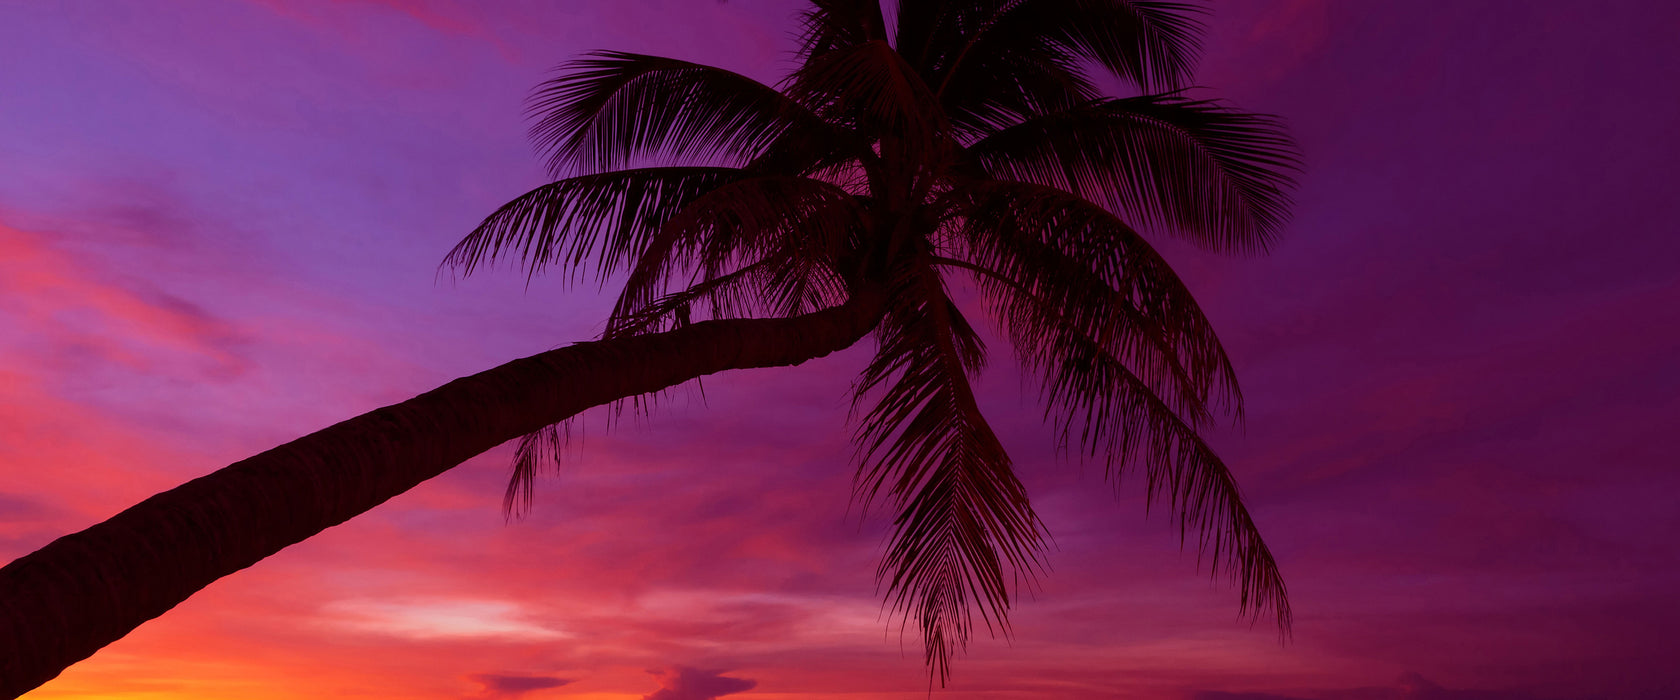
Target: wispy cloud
{"x": 69, "y": 307}
{"x": 437, "y": 619}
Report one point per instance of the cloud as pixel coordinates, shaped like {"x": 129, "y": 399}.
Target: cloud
{"x": 438, "y": 619}
{"x": 499, "y": 686}
{"x": 1410, "y": 686}
{"x": 19, "y": 508}
{"x": 52, "y": 295}
{"x": 25, "y": 523}
{"x": 684, "y": 683}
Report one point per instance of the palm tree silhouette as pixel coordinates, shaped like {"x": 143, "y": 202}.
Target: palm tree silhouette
{"x": 967, "y": 138}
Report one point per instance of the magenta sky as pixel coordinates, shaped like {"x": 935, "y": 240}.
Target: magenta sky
{"x": 219, "y": 228}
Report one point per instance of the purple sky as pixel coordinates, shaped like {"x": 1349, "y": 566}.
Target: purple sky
{"x": 220, "y": 224}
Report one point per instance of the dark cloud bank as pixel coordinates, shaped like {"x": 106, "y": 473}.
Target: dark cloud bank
{"x": 684, "y": 683}
{"x": 508, "y": 687}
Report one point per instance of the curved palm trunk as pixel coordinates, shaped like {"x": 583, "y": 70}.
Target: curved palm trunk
{"x": 62, "y": 603}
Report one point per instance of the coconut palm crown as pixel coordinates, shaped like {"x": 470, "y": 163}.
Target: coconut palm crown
{"x": 962, "y": 138}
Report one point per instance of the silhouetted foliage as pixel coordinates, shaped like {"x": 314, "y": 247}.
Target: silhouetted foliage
{"x": 963, "y": 137}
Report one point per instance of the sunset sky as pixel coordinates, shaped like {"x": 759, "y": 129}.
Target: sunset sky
{"x": 220, "y": 229}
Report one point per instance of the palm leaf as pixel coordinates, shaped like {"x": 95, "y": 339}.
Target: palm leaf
{"x": 830, "y": 25}
{"x": 1090, "y": 372}
{"x": 869, "y": 90}
{"x": 535, "y": 450}
{"x": 1116, "y": 415}
{"x": 789, "y": 220}
{"x": 1151, "y": 44}
{"x": 606, "y": 219}
{"x": 1196, "y": 168}
{"x": 613, "y": 110}
{"x": 962, "y": 515}
{"x": 1112, "y": 286}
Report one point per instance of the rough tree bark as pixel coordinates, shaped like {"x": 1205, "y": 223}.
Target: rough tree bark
{"x": 85, "y": 590}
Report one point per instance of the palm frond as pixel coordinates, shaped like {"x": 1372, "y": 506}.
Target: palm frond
{"x": 613, "y": 109}
{"x": 869, "y": 90}
{"x": 535, "y": 450}
{"x": 1152, "y": 44}
{"x": 996, "y": 90}
{"x": 963, "y": 518}
{"x": 952, "y": 42}
{"x": 1111, "y": 285}
{"x": 830, "y": 25}
{"x": 989, "y": 67}
{"x": 1196, "y": 168}
{"x": 1030, "y": 259}
{"x": 1117, "y": 416}
{"x": 605, "y": 218}
{"x": 738, "y": 224}
{"x": 783, "y": 282}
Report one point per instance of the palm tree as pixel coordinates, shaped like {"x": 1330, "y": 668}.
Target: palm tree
{"x": 967, "y": 138}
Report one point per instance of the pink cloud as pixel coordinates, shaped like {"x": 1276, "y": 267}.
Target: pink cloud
{"x": 74, "y": 309}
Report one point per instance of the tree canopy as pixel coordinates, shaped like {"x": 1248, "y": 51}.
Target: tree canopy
{"x": 1031, "y": 146}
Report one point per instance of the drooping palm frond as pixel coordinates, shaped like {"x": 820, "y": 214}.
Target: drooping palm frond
{"x": 536, "y": 450}
{"x": 964, "y": 519}
{"x": 1126, "y": 361}
{"x": 1109, "y": 283}
{"x": 1116, "y": 416}
{"x": 1194, "y": 168}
